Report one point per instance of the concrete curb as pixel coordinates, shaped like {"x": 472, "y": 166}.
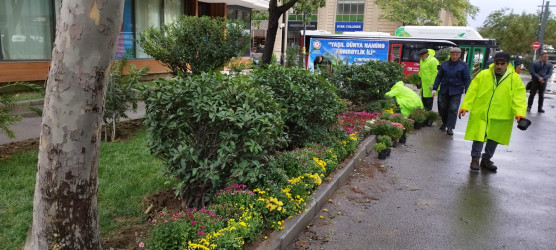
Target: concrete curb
{"x": 295, "y": 225}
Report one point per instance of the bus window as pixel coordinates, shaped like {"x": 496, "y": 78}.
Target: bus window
{"x": 410, "y": 53}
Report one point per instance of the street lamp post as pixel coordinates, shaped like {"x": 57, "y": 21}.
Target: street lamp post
{"x": 283, "y": 27}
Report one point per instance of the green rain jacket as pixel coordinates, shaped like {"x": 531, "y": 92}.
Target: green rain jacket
{"x": 428, "y": 69}
{"x": 493, "y": 107}
{"x": 406, "y": 98}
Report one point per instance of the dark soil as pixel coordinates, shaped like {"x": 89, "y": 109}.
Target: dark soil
{"x": 124, "y": 131}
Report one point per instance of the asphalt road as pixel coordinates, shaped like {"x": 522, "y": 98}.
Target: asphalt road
{"x": 425, "y": 197}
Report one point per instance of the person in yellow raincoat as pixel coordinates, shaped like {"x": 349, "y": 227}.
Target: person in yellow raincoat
{"x": 495, "y": 97}
{"x": 428, "y": 68}
{"x": 406, "y": 98}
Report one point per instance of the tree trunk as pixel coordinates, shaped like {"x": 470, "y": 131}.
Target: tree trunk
{"x": 273, "y": 22}
{"x": 274, "y": 13}
{"x": 65, "y": 214}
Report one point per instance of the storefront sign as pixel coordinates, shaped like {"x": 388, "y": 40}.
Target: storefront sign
{"x": 298, "y": 25}
{"x": 349, "y": 26}
{"x": 348, "y": 51}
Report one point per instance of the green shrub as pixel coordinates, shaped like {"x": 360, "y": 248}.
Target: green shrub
{"x": 362, "y": 84}
{"x": 196, "y": 44}
{"x": 381, "y": 105}
{"x": 418, "y": 115}
{"x": 292, "y": 55}
{"x": 432, "y": 115}
{"x": 442, "y": 55}
{"x": 379, "y": 147}
{"x": 311, "y": 103}
{"x": 120, "y": 93}
{"x": 414, "y": 79}
{"x": 211, "y": 129}
{"x": 387, "y": 140}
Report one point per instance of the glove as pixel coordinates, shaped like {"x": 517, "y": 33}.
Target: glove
{"x": 461, "y": 113}
{"x": 431, "y": 87}
{"x": 519, "y": 118}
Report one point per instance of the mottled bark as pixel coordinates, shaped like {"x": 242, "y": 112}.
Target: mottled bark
{"x": 65, "y": 214}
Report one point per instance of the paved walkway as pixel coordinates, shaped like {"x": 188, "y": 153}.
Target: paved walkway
{"x": 30, "y": 127}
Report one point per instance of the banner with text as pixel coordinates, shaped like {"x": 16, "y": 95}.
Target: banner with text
{"x": 348, "y": 51}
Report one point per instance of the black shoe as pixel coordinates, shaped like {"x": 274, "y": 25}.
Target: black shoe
{"x": 449, "y": 131}
{"x": 488, "y": 165}
{"x": 528, "y": 109}
{"x": 541, "y": 110}
{"x": 442, "y": 127}
{"x": 474, "y": 163}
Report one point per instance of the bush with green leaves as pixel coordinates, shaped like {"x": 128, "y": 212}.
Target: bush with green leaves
{"x": 381, "y": 105}
{"x": 120, "y": 93}
{"x": 362, "y": 84}
{"x": 212, "y": 129}
{"x": 310, "y": 101}
{"x": 379, "y": 147}
{"x": 387, "y": 140}
{"x": 414, "y": 79}
{"x": 292, "y": 57}
{"x": 419, "y": 115}
{"x": 442, "y": 55}
{"x": 195, "y": 44}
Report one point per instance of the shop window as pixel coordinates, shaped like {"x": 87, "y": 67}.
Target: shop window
{"x": 26, "y": 30}
{"x": 147, "y": 15}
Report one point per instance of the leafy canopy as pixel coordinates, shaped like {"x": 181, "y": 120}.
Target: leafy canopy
{"x": 425, "y": 12}
{"x": 504, "y": 26}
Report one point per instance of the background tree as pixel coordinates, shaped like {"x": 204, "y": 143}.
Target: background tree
{"x": 425, "y": 12}
{"x": 65, "y": 214}
{"x": 121, "y": 94}
{"x": 516, "y": 32}
{"x": 196, "y": 44}
{"x": 274, "y": 14}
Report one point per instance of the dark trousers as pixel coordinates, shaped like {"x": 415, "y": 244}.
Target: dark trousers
{"x": 477, "y": 147}
{"x": 449, "y": 106}
{"x": 536, "y": 87}
{"x": 427, "y": 102}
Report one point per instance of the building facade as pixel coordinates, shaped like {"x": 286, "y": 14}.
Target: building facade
{"x": 27, "y": 29}
{"x": 339, "y": 16}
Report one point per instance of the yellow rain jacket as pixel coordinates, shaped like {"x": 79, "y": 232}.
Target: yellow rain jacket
{"x": 428, "y": 69}
{"x": 493, "y": 107}
{"x": 406, "y": 98}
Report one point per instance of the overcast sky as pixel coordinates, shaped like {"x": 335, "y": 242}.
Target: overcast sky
{"x": 488, "y": 6}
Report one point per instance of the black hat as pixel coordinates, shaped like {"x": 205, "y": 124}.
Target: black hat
{"x": 423, "y": 51}
{"x": 523, "y": 124}
{"x": 502, "y": 56}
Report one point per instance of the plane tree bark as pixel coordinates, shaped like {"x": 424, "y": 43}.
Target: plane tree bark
{"x": 65, "y": 214}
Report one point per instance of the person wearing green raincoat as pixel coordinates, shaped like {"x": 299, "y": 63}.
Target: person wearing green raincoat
{"x": 428, "y": 68}
{"x": 495, "y": 97}
{"x": 406, "y": 98}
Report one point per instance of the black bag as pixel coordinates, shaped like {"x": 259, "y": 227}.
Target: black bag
{"x": 528, "y": 86}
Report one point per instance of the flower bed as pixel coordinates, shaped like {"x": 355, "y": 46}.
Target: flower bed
{"x": 239, "y": 214}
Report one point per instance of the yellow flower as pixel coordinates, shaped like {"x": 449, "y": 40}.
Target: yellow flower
{"x": 325, "y": 210}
